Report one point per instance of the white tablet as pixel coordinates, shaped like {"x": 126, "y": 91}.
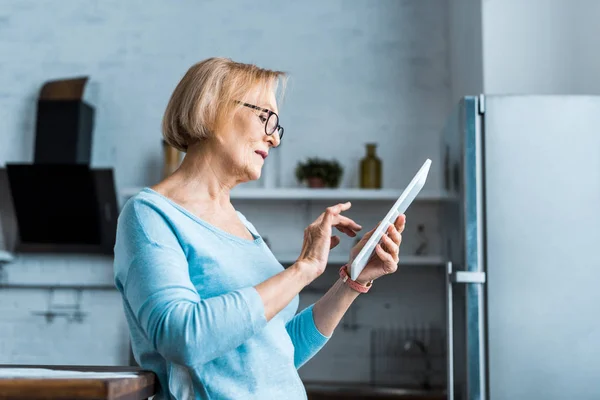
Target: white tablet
{"x": 401, "y": 205}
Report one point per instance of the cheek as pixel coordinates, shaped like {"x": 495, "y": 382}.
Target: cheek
{"x": 242, "y": 150}
{"x": 246, "y": 124}
{"x": 245, "y": 137}
{"x": 248, "y": 140}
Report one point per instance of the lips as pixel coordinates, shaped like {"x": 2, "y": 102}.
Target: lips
{"x": 261, "y": 153}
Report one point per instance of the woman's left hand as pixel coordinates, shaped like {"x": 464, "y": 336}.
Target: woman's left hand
{"x": 384, "y": 259}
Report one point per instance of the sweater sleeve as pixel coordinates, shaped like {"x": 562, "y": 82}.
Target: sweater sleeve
{"x": 305, "y": 336}
{"x": 183, "y": 327}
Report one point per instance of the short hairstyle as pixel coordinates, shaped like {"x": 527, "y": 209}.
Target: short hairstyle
{"x": 206, "y": 97}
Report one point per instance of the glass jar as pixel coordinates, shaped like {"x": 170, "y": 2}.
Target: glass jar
{"x": 370, "y": 169}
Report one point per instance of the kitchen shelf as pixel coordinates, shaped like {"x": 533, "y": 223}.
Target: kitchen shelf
{"x": 340, "y": 259}
{"x": 323, "y": 194}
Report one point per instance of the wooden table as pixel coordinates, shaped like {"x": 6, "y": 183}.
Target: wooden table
{"x": 141, "y": 385}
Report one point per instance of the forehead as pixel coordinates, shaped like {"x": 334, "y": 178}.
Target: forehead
{"x": 263, "y": 98}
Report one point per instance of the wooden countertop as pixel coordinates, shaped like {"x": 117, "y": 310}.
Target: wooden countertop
{"x": 75, "y": 382}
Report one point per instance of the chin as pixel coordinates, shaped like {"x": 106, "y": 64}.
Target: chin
{"x": 254, "y": 174}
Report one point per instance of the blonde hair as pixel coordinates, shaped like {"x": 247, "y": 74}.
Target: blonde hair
{"x": 206, "y": 97}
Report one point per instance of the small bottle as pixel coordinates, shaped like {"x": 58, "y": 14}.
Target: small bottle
{"x": 370, "y": 169}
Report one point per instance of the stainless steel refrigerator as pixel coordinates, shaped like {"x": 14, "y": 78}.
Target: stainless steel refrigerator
{"x": 523, "y": 243}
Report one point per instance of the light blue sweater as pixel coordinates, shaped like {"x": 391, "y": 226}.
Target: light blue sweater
{"x": 194, "y": 316}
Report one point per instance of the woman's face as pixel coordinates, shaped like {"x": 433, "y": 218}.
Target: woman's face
{"x": 244, "y": 140}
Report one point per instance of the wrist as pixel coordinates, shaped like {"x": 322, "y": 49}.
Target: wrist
{"x": 354, "y": 285}
{"x": 363, "y": 281}
{"x": 305, "y": 271}
{"x": 345, "y": 289}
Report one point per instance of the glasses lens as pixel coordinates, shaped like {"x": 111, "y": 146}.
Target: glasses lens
{"x": 272, "y": 123}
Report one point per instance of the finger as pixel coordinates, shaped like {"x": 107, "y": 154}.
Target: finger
{"x": 394, "y": 234}
{"x": 383, "y": 256}
{"x": 346, "y": 230}
{"x": 390, "y": 247}
{"x": 338, "y": 208}
{"x": 331, "y": 212}
{"x": 340, "y": 220}
{"x": 368, "y": 235}
{"x": 400, "y": 222}
{"x": 335, "y": 240}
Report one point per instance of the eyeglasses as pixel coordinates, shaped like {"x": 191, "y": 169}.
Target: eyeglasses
{"x": 271, "y": 120}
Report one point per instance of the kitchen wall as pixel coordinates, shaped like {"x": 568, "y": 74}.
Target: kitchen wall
{"x": 465, "y": 41}
{"x": 361, "y": 71}
{"x": 523, "y": 47}
{"x": 27, "y": 336}
{"x": 541, "y": 46}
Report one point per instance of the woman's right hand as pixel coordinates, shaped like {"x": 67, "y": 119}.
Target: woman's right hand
{"x": 318, "y": 239}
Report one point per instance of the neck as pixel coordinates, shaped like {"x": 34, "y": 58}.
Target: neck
{"x": 202, "y": 177}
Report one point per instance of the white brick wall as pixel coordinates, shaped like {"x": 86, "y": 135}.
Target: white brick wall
{"x": 361, "y": 71}
{"x": 27, "y": 338}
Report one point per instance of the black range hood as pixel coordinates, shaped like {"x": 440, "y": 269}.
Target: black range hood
{"x": 63, "y": 208}
{"x": 59, "y": 203}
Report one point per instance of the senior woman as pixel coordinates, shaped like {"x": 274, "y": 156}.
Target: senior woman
{"x": 210, "y": 309}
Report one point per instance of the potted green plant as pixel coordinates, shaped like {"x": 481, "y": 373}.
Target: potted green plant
{"x": 319, "y": 173}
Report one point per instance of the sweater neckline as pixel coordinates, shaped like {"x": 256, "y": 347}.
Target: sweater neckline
{"x": 257, "y": 239}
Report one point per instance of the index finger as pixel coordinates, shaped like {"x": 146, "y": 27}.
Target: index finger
{"x": 338, "y": 208}
{"x": 335, "y": 210}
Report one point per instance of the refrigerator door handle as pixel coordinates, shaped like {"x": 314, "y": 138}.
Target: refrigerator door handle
{"x": 468, "y": 277}
{"x": 453, "y": 277}
{"x": 449, "y": 333}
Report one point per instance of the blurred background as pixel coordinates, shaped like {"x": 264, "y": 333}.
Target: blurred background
{"x": 374, "y": 87}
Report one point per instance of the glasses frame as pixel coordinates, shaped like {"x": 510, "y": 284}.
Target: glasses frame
{"x": 278, "y": 128}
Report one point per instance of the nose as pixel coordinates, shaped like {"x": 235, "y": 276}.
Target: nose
{"x": 274, "y": 139}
